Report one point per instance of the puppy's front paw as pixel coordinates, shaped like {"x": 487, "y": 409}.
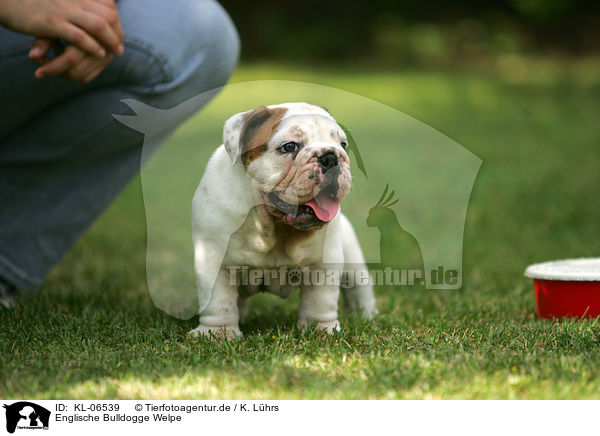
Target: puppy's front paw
{"x": 217, "y": 332}
{"x": 324, "y": 327}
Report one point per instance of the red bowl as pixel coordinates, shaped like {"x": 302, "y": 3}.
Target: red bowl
{"x": 556, "y": 299}
{"x": 567, "y": 288}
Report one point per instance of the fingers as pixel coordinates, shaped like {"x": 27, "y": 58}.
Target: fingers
{"x": 68, "y": 59}
{"x": 92, "y": 25}
{"x": 79, "y": 38}
{"x": 119, "y": 29}
{"x": 87, "y": 69}
{"x": 92, "y": 30}
{"x": 91, "y": 76}
{"x": 109, "y": 13}
{"x": 100, "y": 29}
{"x": 41, "y": 47}
{"x": 110, "y": 3}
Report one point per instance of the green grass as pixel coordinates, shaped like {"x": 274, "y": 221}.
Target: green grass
{"x": 92, "y": 331}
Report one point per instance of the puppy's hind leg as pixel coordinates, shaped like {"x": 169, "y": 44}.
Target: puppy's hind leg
{"x": 243, "y": 304}
{"x": 360, "y": 297}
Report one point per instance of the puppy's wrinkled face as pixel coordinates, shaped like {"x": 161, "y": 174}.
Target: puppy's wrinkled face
{"x": 296, "y": 157}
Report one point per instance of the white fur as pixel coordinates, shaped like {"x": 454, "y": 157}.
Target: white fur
{"x": 227, "y": 231}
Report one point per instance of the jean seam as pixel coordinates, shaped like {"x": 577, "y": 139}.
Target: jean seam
{"x": 158, "y": 58}
{"x": 14, "y": 270}
{"x": 72, "y": 151}
{"x": 135, "y": 43}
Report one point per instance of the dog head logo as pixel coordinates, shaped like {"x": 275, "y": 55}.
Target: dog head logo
{"x": 26, "y": 415}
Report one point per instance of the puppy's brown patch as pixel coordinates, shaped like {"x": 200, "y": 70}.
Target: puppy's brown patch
{"x": 257, "y": 130}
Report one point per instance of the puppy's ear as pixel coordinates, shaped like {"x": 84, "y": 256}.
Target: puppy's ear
{"x": 246, "y": 134}
{"x": 231, "y": 135}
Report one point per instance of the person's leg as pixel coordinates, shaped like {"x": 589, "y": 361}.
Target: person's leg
{"x": 65, "y": 163}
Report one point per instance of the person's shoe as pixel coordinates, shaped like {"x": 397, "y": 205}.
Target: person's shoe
{"x": 7, "y": 294}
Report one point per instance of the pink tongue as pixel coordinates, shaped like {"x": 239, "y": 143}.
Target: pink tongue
{"x": 324, "y": 206}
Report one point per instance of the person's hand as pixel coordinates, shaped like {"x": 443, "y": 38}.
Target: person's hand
{"x": 72, "y": 64}
{"x": 93, "y": 26}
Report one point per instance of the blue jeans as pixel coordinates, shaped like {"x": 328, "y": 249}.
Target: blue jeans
{"x": 63, "y": 157}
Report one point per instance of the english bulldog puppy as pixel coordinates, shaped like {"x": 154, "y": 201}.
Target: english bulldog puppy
{"x": 269, "y": 202}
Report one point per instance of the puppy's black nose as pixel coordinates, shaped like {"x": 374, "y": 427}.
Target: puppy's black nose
{"x": 328, "y": 160}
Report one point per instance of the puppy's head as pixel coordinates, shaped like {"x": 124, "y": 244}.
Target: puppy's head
{"x": 295, "y": 154}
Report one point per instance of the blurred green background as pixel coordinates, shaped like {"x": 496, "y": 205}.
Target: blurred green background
{"x": 401, "y": 32}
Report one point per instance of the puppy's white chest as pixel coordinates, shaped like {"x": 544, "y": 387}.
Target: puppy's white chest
{"x": 265, "y": 245}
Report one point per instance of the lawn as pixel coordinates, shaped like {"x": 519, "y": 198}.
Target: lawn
{"x": 92, "y": 331}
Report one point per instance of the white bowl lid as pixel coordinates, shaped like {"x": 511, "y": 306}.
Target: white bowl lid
{"x": 584, "y": 269}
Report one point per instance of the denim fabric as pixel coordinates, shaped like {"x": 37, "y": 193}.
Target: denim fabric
{"x": 63, "y": 157}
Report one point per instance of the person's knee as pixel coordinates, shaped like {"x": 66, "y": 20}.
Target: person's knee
{"x": 193, "y": 49}
{"x": 223, "y": 51}
{"x": 207, "y": 48}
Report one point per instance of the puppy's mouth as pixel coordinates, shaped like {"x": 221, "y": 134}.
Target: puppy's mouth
{"x": 314, "y": 213}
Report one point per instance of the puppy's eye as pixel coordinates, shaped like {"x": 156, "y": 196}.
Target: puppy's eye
{"x": 344, "y": 144}
{"x": 289, "y": 147}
